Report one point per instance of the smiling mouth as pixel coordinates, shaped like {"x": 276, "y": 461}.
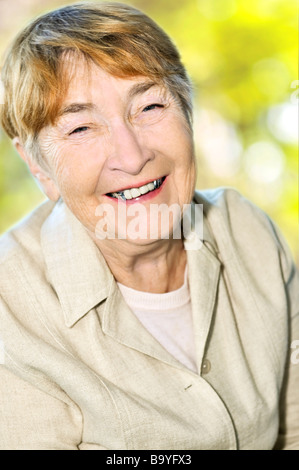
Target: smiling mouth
{"x": 133, "y": 193}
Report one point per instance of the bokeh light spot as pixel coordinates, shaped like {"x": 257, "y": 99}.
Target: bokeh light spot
{"x": 271, "y": 77}
{"x": 264, "y": 162}
{"x": 217, "y": 10}
{"x": 282, "y": 121}
{"x": 218, "y": 143}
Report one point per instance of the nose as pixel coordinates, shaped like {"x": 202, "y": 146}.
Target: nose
{"x": 129, "y": 151}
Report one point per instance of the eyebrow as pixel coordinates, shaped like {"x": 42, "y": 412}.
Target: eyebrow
{"x": 140, "y": 88}
{"x": 137, "y": 89}
{"x": 76, "y": 108}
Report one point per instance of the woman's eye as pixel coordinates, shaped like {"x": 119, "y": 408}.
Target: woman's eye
{"x": 153, "y": 106}
{"x": 79, "y": 129}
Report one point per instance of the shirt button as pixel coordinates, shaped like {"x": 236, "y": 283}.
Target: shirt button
{"x": 206, "y": 366}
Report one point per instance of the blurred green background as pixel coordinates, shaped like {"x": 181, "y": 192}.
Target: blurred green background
{"x": 242, "y": 58}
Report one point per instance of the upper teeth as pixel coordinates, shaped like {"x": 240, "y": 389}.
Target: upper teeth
{"x": 136, "y": 192}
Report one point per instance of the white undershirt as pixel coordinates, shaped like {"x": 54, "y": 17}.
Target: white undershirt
{"x": 168, "y": 317}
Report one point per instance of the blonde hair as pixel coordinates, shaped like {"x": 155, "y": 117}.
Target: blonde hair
{"x": 120, "y": 39}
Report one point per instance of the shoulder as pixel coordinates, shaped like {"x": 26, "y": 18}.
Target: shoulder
{"x": 25, "y": 235}
{"x": 21, "y": 256}
{"x": 228, "y": 212}
{"x": 246, "y": 237}
{"x": 225, "y": 202}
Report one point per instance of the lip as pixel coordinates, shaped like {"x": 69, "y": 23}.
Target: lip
{"x": 136, "y": 185}
{"x": 141, "y": 198}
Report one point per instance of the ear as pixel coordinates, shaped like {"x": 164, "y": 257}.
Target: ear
{"x": 46, "y": 182}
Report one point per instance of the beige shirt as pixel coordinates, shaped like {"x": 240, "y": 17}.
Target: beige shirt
{"x": 81, "y": 372}
{"x": 168, "y": 317}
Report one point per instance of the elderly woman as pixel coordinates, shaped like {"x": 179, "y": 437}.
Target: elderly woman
{"x": 119, "y": 330}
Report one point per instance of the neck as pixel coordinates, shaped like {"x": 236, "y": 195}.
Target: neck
{"x": 157, "y": 267}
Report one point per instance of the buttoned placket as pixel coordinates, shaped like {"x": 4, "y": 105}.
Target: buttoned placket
{"x": 204, "y": 272}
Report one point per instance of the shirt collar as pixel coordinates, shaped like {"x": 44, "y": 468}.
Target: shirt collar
{"x": 75, "y": 266}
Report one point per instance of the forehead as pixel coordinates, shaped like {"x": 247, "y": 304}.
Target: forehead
{"x": 88, "y": 82}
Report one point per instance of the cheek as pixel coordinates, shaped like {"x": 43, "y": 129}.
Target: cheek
{"x": 184, "y": 162}
{"x": 183, "y": 155}
{"x": 178, "y": 138}
{"x": 76, "y": 170}
{"x": 76, "y": 180}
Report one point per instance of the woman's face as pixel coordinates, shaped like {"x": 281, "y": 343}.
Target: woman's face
{"x": 119, "y": 144}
